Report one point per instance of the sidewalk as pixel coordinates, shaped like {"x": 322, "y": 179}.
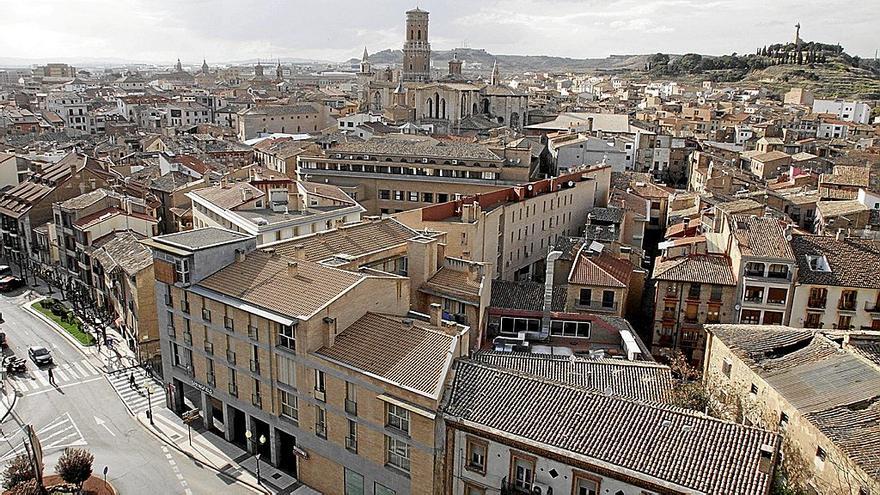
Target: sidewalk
{"x": 222, "y": 456}
{"x": 108, "y": 360}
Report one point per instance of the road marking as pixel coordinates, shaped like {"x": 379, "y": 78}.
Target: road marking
{"x": 70, "y": 371}
{"x": 59, "y": 372}
{"x": 82, "y": 370}
{"x": 101, "y": 422}
{"x": 38, "y": 374}
{"x": 69, "y": 385}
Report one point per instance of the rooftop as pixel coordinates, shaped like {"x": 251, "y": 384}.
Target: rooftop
{"x": 762, "y": 237}
{"x": 428, "y": 148}
{"x": 686, "y": 449}
{"x": 403, "y": 351}
{"x": 351, "y": 240}
{"x": 852, "y": 262}
{"x": 706, "y": 269}
{"x": 200, "y": 238}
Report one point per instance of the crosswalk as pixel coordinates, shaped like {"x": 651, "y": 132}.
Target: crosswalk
{"x": 65, "y": 374}
{"x": 135, "y": 398}
{"x": 60, "y": 433}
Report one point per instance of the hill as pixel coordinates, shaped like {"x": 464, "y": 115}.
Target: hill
{"x": 480, "y": 61}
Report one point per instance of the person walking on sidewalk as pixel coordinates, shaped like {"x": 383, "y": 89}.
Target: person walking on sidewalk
{"x": 51, "y": 377}
{"x": 131, "y": 382}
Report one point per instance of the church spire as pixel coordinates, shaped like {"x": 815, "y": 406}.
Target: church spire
{"x": 205, "y": 67}
{"x": 366, "y": 55}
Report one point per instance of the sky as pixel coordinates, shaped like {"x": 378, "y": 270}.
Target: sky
{"x": 160, "y": 31}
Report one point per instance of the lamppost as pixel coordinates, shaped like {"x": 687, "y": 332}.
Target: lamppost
{"x": 150, "y": 403}
{"x": 262, "y": 441}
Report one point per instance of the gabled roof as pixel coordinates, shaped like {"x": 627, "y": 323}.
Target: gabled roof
{"x": 352, "y": 240}
{"x": 267, "y": 280}
{"x": 705, "y": 269}
{"x": 454, "y": 283}
{"x": 639, "y": 380}
{"x": 686, "y": 449}
{"x": 853, "y": 262}
{"x": 524, "y": 296}
{"x": 761, "y": 237}
{"x": 409, "y": 353}
{"x": 601, "y": 270}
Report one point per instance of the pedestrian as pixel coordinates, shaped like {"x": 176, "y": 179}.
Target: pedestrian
{"x": 131, "y": 380}
{"x": 51, "y": 377}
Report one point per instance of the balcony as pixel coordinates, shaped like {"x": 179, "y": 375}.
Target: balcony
{"x": 691, "y": 319}
{"x": 846, "y": 305}
{"x": 669, "y": 315}
{"x": 872, "y": 306}
{"x": 817, "y": 303}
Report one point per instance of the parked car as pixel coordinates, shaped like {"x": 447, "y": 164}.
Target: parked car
{"x": 9, "y": 283}
{"x": 39, "y": 355}
{"x": 5, "y": 270}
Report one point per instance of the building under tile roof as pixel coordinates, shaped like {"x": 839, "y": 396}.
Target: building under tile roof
{"x": 600, "y": 269}
{"x": 762, "y": 237}
{"x": 201, "y": 238}
{"x": 705, "y": 269}
{"x": 852, "y": 262}
{"x": 406, "y": 352}
{"x": 281, "y": 284}
{"x": 649, "y": 441}
{"x": 639, "y": 380}
{"x": 835, "y": 388}
{"x": 525, "y": 296}
{"x": 351, "y": 240}
{"x": 449, "y": 282}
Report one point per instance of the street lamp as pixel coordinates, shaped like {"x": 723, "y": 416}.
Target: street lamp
{"x": 262, "y": 441}
{"x": 150, "y": 403}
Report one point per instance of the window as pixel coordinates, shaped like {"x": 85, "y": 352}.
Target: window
{"x": 351, "y": 439}
{"x": 584, "y": 485}
{"x": 350, "y": 398}
{"x": 477, "y": 451}
{"x": 778, "y": 271}
{"x": 354, "y": 483}
{"x": 379, "y": 489}
{"x": 608, "y": 299}
{"x": 515, "y": 325}
{"x": 713, "y": 315}
{"x": 320, "y": 422}
{"x": 413, "y": 196}
{"x": 470, "y": 489}
{"x": 523, "y": 471}
{"x": 754, "y": 269}
{"x": 428, "y": 197}
{"x": 398, "y": 195}
{"x": 286, "y": 337}
{"x": 726, "y": 367}
{"x": 773, "y": 317}
{"x": 289, "y": 405}
{"x": 181, "y": 267}
{"x": 820, "y": 457}
{"x": 777, "y": 295}
{"x": 694, "y": 291}
{"x": 320, "y": 389}
{"x": 586, "y": 295}
{"x": 754, "y": 389}
{"x": 783, "y": 421}
{"x": 206, "y": 313}
{"x": 717, "y": 292}
{"x": 844, "y": 322}
{"x": 397, "y": 453}
{"x": 753, "y": 294}
{"x": 578, "y": 329}
{"x": 228, "y": 323}
{"x": 398, "y": 418}
{"x": 750, "y": 316}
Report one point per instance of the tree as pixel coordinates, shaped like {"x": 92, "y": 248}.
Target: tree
{"x": 75, "y": 466}
{"x": 17, "y": 471}
{"x": 29, "y": 487}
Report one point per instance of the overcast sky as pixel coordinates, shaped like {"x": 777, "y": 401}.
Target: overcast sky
{"x": 227, "y": 30}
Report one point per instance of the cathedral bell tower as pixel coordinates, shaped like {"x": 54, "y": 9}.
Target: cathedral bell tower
{"x": 416, "y": 49}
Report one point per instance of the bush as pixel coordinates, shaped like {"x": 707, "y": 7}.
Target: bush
{"x": 17, "y": 472}
{"x": 29, "y": 487}
{"x": 75, "y": 466}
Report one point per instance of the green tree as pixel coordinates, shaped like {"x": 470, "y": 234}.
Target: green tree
{"x": 17, "y": 471}
{"x": 75, "y": 466}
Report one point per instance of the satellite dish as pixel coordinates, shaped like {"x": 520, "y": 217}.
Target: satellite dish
{"x": 737, "y": 306}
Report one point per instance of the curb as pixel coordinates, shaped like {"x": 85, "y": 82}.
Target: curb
{"x": 161, "y": 437}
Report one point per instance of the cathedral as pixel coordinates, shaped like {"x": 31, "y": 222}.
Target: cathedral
{"x": 449, "y": 103}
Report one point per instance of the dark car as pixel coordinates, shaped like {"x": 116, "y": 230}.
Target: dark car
{"x": 39, "y": 355}
{"x": 9, "y": 283}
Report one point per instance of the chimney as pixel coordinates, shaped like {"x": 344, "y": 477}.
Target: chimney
{"x": 467, "y": 213}
{"x": 473, "y": 272}
{"x": 239, "y": 255}
{"x": 839, "y": 236}
{"x": 291, "y": 268}
{"x": 299, "y": 252}
{"x": 331, "y": 330}
{"x": 436, "y": 314}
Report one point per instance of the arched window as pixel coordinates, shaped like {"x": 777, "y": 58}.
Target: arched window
{"x": 436, "y": 106}
{"x": 475, "y": 110}
{"x": 486, "y": 105}
{"x": 430, "y": 108}
{"x": 463, "y": 108}
{"x": 420, "y": 34}
{"x": 410, "y": 34}
{"x": 442, "y": 108}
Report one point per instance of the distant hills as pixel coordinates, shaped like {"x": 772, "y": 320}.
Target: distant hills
{"x": 479, "y": 60}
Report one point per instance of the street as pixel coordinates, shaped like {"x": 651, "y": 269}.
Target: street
{"x": 82, "y": 410}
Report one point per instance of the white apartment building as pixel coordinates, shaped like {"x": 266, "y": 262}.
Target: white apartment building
{"x": 850, "y": 111}
{"x": 73, "y": 109}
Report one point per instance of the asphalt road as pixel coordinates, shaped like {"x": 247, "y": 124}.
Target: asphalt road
{"x": 82, "y": 410}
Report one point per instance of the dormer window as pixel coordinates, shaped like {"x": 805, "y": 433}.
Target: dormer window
{"x": 818, "y": 263}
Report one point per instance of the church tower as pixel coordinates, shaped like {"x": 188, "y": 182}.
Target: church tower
{"x": 416, "y": 50}
{"x": 205, "y": 68}
{"x": 495, "y": 80}
{"x": 179, "y": 67}
{"x": 365, "y": 63}
{"x": 258, "y": 69}
{"x": 279, "y": 71}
